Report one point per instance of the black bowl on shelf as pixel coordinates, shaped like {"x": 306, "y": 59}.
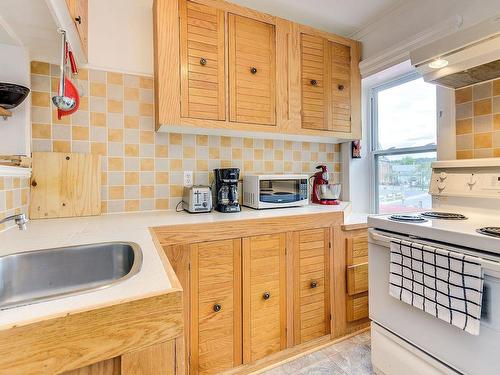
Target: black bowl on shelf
{"x": 11, "y": 95}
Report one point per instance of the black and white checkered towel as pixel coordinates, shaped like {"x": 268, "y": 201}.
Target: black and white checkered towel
{"x": 445, "y": 284}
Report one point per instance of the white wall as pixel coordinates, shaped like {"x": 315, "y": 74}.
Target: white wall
{"x": 15, "y": 131}
{"x": 121, "y": 35}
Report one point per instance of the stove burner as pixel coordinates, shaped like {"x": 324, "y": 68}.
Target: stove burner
{"x": 443, "y": 215}
{"x": 408, "y": 218}
{"x": 490, "y": 231}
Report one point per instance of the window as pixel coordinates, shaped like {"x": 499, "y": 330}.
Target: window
{"x": 403, "y": 144}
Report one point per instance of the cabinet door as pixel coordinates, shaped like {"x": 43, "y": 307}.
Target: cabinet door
{"x": 202, "y": 61}
{"x": 311, "y": 284}
{"x": 79, "y": 10}
{"x": 315, "y": 82}
{"x": 341, "y": 87}
{"x": 264, "y": 296}
{"x": 252, "y": 71}
{"x": 215, "y": 306}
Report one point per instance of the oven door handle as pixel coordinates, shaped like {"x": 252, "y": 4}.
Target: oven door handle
{"x": 386, "y": 240}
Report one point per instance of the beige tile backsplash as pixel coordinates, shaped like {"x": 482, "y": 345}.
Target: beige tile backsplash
{"x": 478, "y": 120}
{"x": 142, "y": 169}
{"x": 14, "y": 197}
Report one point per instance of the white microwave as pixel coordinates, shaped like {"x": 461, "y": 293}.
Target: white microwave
{"x": 275, "y": 190}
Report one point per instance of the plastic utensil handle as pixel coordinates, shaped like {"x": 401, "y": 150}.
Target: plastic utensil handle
{"x": 72, "y": 61}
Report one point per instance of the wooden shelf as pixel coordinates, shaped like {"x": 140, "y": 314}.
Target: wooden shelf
{"x": 5, "y": 113}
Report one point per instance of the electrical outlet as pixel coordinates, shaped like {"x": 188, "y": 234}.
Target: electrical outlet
{"x": 188, "y": 178}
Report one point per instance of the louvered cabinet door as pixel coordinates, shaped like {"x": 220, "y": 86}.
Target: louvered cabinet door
{"x": 252, "y": 71}
{"x": 264, "y": 296}
{"x": 315, "y": 82}
{"x": 202, "y": 61}
{"x": 311, "y": 284}
{"x": 215, "y": 306}
{"x": 341, "y": 87}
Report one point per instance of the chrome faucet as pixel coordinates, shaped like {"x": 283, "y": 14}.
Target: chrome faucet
{"x": 19, "y": 219}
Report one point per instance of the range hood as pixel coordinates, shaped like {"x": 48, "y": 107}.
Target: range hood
{"x": 468, "y": 56}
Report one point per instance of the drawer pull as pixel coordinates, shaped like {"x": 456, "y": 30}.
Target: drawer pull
{"x": 203, "y": 61}
{"x": 253, "y": 70}
{"x": 340, "y": 87}
{"x": 217, "y": 307}
{"x": 266, "y": 295}
{"x": 314, "y": 82}
{"x": 314, "y": 284}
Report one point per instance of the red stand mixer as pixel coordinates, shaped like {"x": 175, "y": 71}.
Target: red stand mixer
{"x": 322, "y": 191}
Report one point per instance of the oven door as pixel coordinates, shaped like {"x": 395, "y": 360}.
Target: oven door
{"x": 465, "y": 353}
{"x": 275, "y": 193}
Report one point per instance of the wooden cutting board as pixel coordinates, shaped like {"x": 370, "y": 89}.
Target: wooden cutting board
{"x": 65, "y": 185}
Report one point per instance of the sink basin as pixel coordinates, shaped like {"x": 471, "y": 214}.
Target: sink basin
{"x": 37, "y": 276}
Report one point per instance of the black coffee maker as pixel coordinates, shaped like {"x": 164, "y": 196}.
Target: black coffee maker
{"x": 226, "y": 189}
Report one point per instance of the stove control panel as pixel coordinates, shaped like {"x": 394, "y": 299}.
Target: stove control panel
{"x": 464, "y": 182}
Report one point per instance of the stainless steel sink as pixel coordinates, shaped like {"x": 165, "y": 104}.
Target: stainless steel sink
{"x": 37, "y": 276}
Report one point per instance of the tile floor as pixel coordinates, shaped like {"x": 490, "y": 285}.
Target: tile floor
{"x": 348, "y": 357}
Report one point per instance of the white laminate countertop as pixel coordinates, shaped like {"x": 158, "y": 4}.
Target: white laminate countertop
{"x": 131, "y": 227}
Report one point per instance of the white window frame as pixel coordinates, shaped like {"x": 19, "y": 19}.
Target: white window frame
{"x": 375, "y": 152}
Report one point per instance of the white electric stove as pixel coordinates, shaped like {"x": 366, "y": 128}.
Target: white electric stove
{"x": 465, "y": 217}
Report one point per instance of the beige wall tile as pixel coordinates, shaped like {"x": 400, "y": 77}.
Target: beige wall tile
{"x": 142, "y": 169}
{"x": 463, "y": 95}
{"x": 483, "y": 140}
{"x": 38, "y": 67}
{"x": 482, "y": 107}
{"x": 496, "y": 87}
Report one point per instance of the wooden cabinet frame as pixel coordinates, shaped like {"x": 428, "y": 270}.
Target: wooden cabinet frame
{"x": 288, "y": 77}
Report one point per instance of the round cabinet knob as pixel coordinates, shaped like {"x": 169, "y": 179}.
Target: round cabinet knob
{"x": 442, "y": 176}
{"x": 217, "y": 307}
{"x": 79, "y": 20}
{"x": 253, "y": 70}
{"x": 314, "y": 82}
{"x": 266, "y": 295}
{"x": 314, "y": 284}
{"x": 203, "y": 61}
{"x": 340, "y": 87}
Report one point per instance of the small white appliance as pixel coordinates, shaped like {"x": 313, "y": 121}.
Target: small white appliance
{"x": 465, "y": 218}
{"x": 197, "y": 198}
{"x": 275, "y": 190}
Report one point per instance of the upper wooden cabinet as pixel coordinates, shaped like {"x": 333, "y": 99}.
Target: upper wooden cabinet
{"x": 202, "y": 61}
{"x": 252, "y": 71}
{"x": 327, "y": 82}
{"x": 79, "y": 11}
{"x": 222, "y": 66}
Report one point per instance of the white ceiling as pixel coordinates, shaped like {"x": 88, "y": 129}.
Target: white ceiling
{"x": 344, "y": 17}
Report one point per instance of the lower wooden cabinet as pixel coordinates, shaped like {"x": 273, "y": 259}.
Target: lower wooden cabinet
{"x": 311, "y": 284}
{"x": 257, "y": 295}
{"x": 215, "y": 306}
{"x": 264, "y": 296}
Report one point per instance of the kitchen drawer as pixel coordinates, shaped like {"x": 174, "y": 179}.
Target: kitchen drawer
{"x": 215, "y": 306}
{"x": 202, "y": 61}
{"x": 252, "y": 71}
{"x": 357, "y": 278}
{"x": 264, "y": 296}
{"x": 356, "y": 250}
{"x": 357, "y": 307}
{"x": 311, "y": 284}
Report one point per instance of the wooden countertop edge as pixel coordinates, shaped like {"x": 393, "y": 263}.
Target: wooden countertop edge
{"x": 69, "y": 342}
{"x": 354, "y": 226}
{"x": 193, "y": 233}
